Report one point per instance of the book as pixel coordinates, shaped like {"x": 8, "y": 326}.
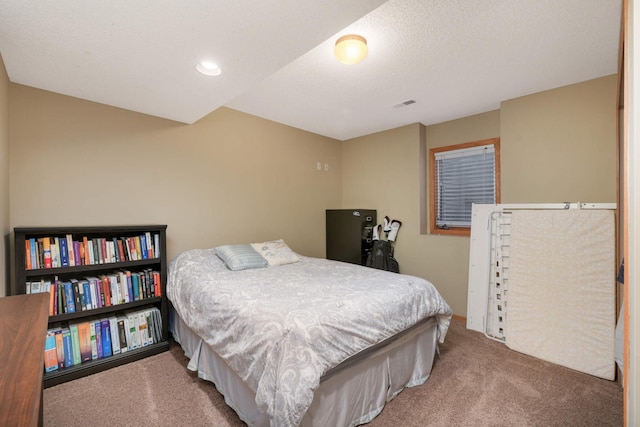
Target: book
{"x": 34, "y": 287}
{"x": 106, "y": 286}
{"x": 134, "y": 331}
{"x": 116, "y": 295}
{"x": 64, "y": 252}
{"x": 50, "y": 352}
{"x": 94, "y": 344}
{"x": 93, "y": 292}
{"x": 136, "y": 247}
{"x": 59, "y": 346}
{"x": 143, "y": 247}
{"x": 55, "y": 252}
{"x": 135, "y": 285}
{"x": 99, "y": 349}
{"x": 101, "y": 251}
{"x": 71, "y": 251}
{"x": 61, "y": 302}
{"x": 52, "y": 299}
{"x": 39, "y": 252}
{"x": 121, "y": 251}
{"x": 151, "y": 326}
{"x": 92, "y": 257}
{"x": 155, "y": 280}
{"x": 27, "y": 254}
{"x": 68, "y": 347}
{"x": 123, "y": 327}
{"x": 78, "y": 254}
{"x": 55, "y": 255}
{"x": 105, "y": 329}
{"x": 87, "y": 295}
{"x": 56, "y": 296}
{"x": 77, "y": 295}
{"x": 126, "y": 279}
{"x": 156, "y": 245}
{"x": 84, "y": 334}
{"x": 75, "y": 342}
{"x": 113, "y": 328}
{"x": 32, "y": 253}
{"x": 149, "y": 242}
{"x": 143, "y": 329}
{"x": 70, "y": 298}
{"x": 85, "y": 250}
{"x": 46, "y": 248}
{"x": 133, "y": 256}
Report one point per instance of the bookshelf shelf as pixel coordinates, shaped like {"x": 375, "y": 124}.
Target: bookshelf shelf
{"x": 108, "y": 262}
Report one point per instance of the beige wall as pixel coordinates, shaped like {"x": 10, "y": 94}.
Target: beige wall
{"x": 575, "y": 123}
{"x": 560, "y": 145}
{"x": 229, "y": 178}
{"x": 4, "y": 179}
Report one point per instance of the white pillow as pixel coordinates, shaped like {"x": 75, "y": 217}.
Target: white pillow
{"x": 276, "y": 252}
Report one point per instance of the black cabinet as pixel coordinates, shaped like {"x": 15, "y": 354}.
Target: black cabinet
{"x": 349, "y": 233}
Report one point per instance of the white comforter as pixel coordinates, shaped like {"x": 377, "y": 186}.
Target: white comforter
{"x": 280, "y": 328}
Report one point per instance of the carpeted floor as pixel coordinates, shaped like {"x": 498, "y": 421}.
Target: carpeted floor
{"x": 475, "y": 382}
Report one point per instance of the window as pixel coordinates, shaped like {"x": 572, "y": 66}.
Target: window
{"x": 461, "y": 175}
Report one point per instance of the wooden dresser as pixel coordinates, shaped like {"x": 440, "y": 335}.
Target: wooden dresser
{"x": 23, "y": 327}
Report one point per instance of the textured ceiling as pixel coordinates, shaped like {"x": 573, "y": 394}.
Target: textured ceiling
{"x": 454, "y": 58}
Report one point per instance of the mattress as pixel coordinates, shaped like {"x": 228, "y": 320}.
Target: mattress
{"x": 561, "y": 295}
{"x": 367, "y": 380}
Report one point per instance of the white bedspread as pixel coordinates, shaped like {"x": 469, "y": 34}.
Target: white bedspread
{"x": 280, "y": 328}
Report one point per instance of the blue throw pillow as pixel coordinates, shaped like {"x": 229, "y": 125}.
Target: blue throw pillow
{"x": 240, "y": 257}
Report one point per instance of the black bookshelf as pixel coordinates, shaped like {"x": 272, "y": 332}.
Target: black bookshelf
{"x": 24, "y": 275}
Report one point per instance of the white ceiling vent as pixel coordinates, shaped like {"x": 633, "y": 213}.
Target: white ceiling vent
{"x": 405, "y": 103}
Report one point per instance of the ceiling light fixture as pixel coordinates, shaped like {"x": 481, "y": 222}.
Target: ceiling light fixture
{"x": 351, "y": 49}
{"x": 209, "y": 68}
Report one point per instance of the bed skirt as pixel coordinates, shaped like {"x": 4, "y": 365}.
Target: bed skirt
{"x": 367, "y": 380}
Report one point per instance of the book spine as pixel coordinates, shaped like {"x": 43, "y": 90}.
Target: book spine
{"x": 27, "y": 254}
{"x": 71, "y": 251}
{"x": 94, "y": 345}
{"x": 64, "y": 252}
{"x": 50, "y": 352}
{"x": 40, "y": 252}
{"x": 123, "y": 328}
{"x": 68, "y": 347}
{"x": 87, "y": 295}
{"x": 56, "y": 256}
{"x": 59, "y": 347}
{"x": 84, "y": 332}
{"x": 78, "y": 253}
{"x": 98, "y": 329}
{"x": 104, "y": 254}
{"x": 61, "y": 302}
{"x": 121, "y": 251}
{"x": 113, "y": 328}
{"x": 46, "y": 247}
{"x": 150, "y": 248}
{"x": 75, "y": 342}
{"x": 106, "y": 338}
{"x": 143, "y": 247}
{"x": 69, "y": 297}
{"x": 32, "y": 252}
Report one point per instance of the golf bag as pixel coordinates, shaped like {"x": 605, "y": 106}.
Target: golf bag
{"x": 381, "y": 257}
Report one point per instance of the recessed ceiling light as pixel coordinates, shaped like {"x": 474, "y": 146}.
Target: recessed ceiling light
{"x": 209, "y": 68}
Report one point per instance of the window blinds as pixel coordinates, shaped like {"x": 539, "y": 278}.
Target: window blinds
{"x": 463, "y": 177}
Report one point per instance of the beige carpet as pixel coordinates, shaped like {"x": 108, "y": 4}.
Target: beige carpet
{"x": 475, "y": 382}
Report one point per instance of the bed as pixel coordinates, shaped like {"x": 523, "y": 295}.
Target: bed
{"x": 305, "y": 341}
